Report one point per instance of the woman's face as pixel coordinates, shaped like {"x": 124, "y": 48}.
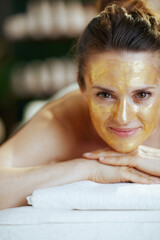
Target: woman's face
{"x": 123, "y": 93}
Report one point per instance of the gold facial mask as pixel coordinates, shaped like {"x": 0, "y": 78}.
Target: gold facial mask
{"x": 123, "y": 120}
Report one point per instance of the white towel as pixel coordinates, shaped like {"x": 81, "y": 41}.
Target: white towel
{"x": 89, "y": 195}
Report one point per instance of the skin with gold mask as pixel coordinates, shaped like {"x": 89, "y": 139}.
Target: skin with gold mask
{"x": 124, "y": 98}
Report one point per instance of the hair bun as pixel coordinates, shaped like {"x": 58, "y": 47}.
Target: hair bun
{"x": 129, "y": 5}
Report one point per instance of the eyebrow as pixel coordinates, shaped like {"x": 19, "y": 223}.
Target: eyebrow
{"x": 104, "y": 89}
{"x": 115, "y": 91}
{"x": 144, "y": 89}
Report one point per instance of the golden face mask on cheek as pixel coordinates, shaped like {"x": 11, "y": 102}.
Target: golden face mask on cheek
{"x": 123, "y": 112}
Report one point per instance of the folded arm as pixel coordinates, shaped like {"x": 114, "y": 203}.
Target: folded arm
{"x": 144, "y": 159}
{"x": 18, "y": 183}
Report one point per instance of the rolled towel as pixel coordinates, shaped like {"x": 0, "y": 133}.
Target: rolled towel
{"x": 89, "y": 195}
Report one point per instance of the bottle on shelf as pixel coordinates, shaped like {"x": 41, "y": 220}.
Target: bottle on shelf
{"x": 42, "y": 78}
{"x": 49, "y": 19}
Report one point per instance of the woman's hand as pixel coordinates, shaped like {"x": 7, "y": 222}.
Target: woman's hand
{"x": 137, "y": 166}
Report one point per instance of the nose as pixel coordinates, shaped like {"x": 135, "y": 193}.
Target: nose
{"x": 124, "y": 112}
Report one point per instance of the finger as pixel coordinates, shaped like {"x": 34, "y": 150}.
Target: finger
{"x": 119, "y": 161}
{"x": 90, "y": 156}
{"x": 95, "y": 154}
{"x": 133, "y": 175}
{"x": 148, "y": 152}
{"x": 102, "y": 153}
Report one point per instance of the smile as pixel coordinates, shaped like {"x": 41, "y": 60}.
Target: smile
{"x": 124, "y": 132}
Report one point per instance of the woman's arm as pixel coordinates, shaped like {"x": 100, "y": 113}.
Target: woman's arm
{"x": 144, "y": 159}
{"x": 18, "y": 183}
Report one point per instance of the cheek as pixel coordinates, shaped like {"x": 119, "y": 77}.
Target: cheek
{"x": 150, "y": 115}
{"x": 99, "y": 114}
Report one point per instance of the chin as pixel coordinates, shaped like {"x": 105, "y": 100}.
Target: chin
{"x": 125, "y": 145}
{"x": 124, "y": 149}
{"x": 128, "y": 150}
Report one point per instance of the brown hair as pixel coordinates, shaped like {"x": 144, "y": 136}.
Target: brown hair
{"x": 129, "y": 5}
{"x": 133, "y": 28}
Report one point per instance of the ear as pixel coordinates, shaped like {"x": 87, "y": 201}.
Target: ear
{"x": 82, "y": 89}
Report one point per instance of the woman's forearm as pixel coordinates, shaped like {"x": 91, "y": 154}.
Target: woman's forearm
{"x": 18, "y": 183}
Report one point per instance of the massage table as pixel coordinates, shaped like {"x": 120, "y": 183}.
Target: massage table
{"x": 28, "y": 223}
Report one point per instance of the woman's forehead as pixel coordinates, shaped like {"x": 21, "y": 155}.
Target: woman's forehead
{"x": 125, "y": 55}
{"x": 124, "y": 68}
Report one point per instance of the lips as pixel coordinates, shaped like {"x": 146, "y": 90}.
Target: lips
{"x": 124, "y": 132}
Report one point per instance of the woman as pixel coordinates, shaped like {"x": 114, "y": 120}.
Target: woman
{"x": 114, "y": 112}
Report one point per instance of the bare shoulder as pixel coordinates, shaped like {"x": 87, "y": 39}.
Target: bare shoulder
{"x": 51, "y": 134}
{"x": 71, "y": 100}
{"x": 71, "y": 107}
